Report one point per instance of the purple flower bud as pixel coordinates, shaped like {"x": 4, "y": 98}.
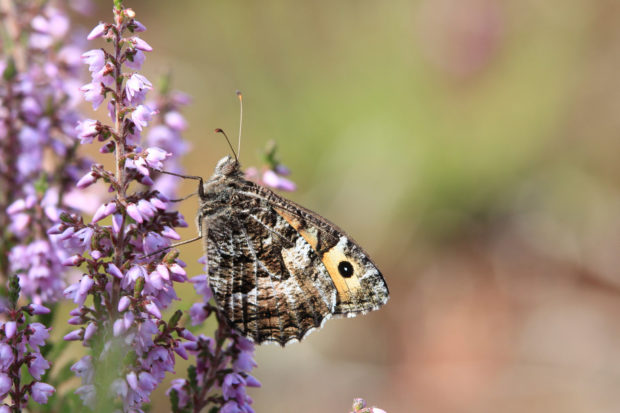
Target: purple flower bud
{"x": 39, "y": 309}
{"x": 41, "y": 391}
{"x": 137, "y": 27}
{"x": 85, "y": 285}
{"x": 75, "y": 335}
{"x": 117, "y": 220}
{"x": 140, "y": 44}
{"x": 76, "y": 321}
{"x": 73, "y": 261}
{"x": 5, "y": 384}
{"x": 282, "y": 170}
{"x": 56, "y": 229}
{"x": 273, "y": 180}
{"x": 155, "y": 156}
{"x": 91, "y": 329}
{"x": 180, "y": 350}
{"x": 96, "y": 254}
{"x": 132, "y": 211}
{"x": 87, "y": 180}
{"x": 132, "y": 380}
{"x": 251, "y": 381}
{"x": 103, "y": 211}
{"x": 114, "y": 271}
{"x": 158, "y": 203}
{"x": 67, "y": 233}
{"x": 187, "y": 335}
{"x": 152, "y": 309}
{"x": 141, "y": 116}
{"x": 6, "y": 356}
{"x": 118, "y": 328}
{"x": 10, "y": 328}
{"x": 128, "y": 319}
{"x": 170, "y": 233}
{"x": 17, "y": 206}
{"x": 123, "y": 303}
{"x": 95, "y": 59}
{"x": 98, "y": 31}
{"x": 175, "y": 120}
{"x": 163, "y": 270}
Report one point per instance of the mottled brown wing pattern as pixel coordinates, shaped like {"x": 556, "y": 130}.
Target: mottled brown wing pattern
{"x": 278, "y": 270}
{"x": 266, "y": 278}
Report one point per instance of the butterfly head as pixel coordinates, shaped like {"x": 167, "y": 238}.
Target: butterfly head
{"x": 227, "y": 166}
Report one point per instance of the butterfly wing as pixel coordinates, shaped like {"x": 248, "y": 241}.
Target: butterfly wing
{"x": 278, "y": 270}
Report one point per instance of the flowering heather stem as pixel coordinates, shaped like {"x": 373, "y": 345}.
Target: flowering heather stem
{"x": 132, "y": 347}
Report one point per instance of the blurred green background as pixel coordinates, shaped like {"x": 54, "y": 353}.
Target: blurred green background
{"x": 469, "y": 145}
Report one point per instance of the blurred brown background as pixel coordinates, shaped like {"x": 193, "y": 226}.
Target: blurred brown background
{"x": 470, "y": 146}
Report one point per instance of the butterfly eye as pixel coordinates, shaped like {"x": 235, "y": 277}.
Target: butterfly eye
{"x": 345, "y": 269}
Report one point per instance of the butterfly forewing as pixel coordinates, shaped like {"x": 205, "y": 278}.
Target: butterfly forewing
{"x": 278, "y": 270}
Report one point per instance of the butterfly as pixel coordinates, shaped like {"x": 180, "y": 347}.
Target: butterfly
{"x": 278, "y": 271}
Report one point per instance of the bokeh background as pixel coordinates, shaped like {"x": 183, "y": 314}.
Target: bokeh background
{"x": 471, "y": 146}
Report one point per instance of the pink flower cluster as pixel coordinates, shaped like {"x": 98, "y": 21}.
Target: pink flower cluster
{"x": 39, "y": 101}
{"x": 20, "y": 345}
{"x": 223, "y": 364}
{"x": 121, "y": 251}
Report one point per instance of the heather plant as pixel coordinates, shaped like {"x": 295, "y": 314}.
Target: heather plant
{"x": 109, "y": 254}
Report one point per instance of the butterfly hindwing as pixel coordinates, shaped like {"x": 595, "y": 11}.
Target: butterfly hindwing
{"x": 267, "y": 279}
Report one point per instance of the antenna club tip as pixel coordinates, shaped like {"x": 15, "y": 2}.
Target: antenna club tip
{"x": 218, "y": 130}
{"x": 239, "y": 94}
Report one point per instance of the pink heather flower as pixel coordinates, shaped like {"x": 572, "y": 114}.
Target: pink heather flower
{"x": 273, "y": 180}
{"x": 140, "y": 44}
{"x": 175, "y": 120}
{"x": 132, "y": 211}
{"x": 39, "y": 309}
{"x": 98, "y": 31}
{"x": 41, "y": 392}
{"x": 123, "y": 303}
{"x": 5, "y": 384}
{"x": 113, "y": 269}
{"x": 137, "y": 27}
{"x": 155, "y": 157}
{"x": 6, "y": 356}
{"x": 87, "y": 130}
{"x": 141, "y": 116}
{"x": 135, "y": 60}
{"x": 136, "y": 88}
{"x": 170, "y": 233}
{"x": 87, "y": 180}
{"x": 10, "y": 328}
{"x": 37, "y": 366}
{"x": 95, "y": 59}
{"x": 75, "y": 335}
{"x": 93, "y": 92}
{"x": 39, "y": 333}
{"x": 103, "y": 211}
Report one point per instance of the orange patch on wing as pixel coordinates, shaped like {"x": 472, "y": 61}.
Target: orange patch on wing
{"x": 330, "y": 259}
{"x": 344, "y": 285}
{"x": 309, "y": 234}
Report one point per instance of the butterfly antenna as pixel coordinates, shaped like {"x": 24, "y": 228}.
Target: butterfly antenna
{"x": 218, "y": 130}
{"x": 240, "y": 96}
